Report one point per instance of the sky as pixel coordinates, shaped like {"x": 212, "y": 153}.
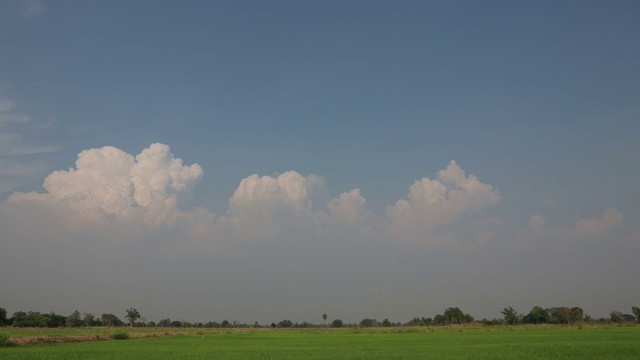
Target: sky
{"x": 269, "y": 160}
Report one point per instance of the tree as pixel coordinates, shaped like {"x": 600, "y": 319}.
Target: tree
{"x": 616, "y": 316}
{"x": 386, "y": 323}
{"x": 3, "y": 316}
{"x": 628, "y": 318}
{"x": 324, "y": 319}
{"x": 454, "y": 315}
{"x": 560, "y": 315}
{"x": 110, "y": 320}
{"x": 439, "y": 319}
{"x": 368, "y": 323}
{"x": 636, "y": 313}
{"x": 577, "y": 314}
{"x": 336, "y": 323}
{"x": 73, "y": 320}
{"x": 132, "y": 315}
{"x": 510, "y": 316}
{"x": 285, "y": 324}
{"x": 537, "y": 315}
{"x": 87, "y": 319}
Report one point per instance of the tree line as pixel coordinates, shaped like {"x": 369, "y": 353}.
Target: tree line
{"x": 451, "y": 316}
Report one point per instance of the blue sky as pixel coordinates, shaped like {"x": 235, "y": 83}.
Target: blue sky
{"x": 537, "y": 100}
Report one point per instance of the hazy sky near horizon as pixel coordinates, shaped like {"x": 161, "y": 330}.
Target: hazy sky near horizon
{"x": 270, "y": 160}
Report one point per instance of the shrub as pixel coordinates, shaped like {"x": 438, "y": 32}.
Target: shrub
{"x": 4, "y": 340}
{"x": 120, "y": 335}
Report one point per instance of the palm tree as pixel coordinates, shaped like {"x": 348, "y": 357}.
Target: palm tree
{"x": 324, "y": 317}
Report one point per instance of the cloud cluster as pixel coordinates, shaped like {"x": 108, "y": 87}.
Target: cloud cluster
{"x": 108, "y": 183}
{"x": 110, "y": 186}
{"x": 120, "y": 218}
{"x": 596, "y": 227}
{"x": 111, "y": 189}
{"x": 590, "y": 230}
{"x": 444, "y": 199}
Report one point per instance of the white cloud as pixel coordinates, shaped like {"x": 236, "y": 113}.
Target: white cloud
{"x": 109, "y": 182}
{"x": 117, "y": 192}
{"x": 586, "y": 230}
{"x": 266, "y": 194}
{"x": 441, "y": 201}
{"x": 348, "y": 209}
{"x": 266, "y": 207}
{"x": 536, "y": 222}
{"x": 596, "y": 227}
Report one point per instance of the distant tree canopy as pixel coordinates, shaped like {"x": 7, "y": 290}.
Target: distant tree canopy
{"x": 368, "y": 323}
{"x": 36, "y": 319}
{"x": 554, "y": 315}
{"x": 284, "y": 324}
{"x": 451, "y": 316}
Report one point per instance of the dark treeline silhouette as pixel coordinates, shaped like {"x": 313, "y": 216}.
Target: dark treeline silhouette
{"x": 451, "y": 316}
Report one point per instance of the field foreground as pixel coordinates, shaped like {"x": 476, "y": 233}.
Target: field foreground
{"x": 383, "y": 343}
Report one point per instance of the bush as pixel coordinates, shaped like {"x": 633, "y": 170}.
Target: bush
{"x": 4, "y": 340}
{"x": 120, "y": 335}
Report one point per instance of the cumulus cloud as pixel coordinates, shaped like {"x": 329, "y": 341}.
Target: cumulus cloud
{"x": 265, "y": 194}
{"x": 536, "y": 222}
{"x": 442, "y": 200}
{"x": 111, "y": 182}
{"x": 348, "y": 209}
{"x": 596, "y": 227}
{"x": 109, "y": 188}
{"x": 267, "y": 207}
{"x": 590, "y": 230}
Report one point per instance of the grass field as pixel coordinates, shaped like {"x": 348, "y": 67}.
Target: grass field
{"x": 606, "y": 342}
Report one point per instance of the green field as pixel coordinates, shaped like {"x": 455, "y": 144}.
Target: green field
{"x": 608, "y": 342}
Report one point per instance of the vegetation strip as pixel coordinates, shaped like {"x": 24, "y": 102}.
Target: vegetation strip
{"x": 36, "y": 340}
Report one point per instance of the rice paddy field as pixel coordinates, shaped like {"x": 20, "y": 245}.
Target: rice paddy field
{"x": 501, "y": 342}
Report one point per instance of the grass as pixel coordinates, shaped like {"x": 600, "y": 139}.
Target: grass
{"x": 5, "y": 340}
{"x": 385, "y": 343}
